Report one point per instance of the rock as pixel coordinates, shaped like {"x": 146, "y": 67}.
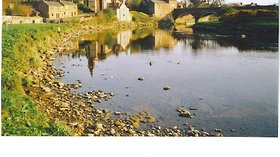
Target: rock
{"x": 99, "y": 126}
{"x": 218, "y": 135}
{"x": 232, "y": 130}
{"x": 166, "y": 88}
{"x": 185, "y": 114}
{"x": 132, "y": 132}
{"x": 150, "y": 119}
{"x": 141, "y": 78}
{"x": 120, "y": 124}
{"x": 74, "y": 124}
{"x": 204, "y": 133}
{"x": 76, "y": 86}
{"x": 99, "y": 111}
{"x": 117, "y": 113}
{"x": 112, "y": 131}
{"x": 64, "y": 105}
{"x": 112, "y": 94}
{"x": 218, "y": 130}
{"x": 191, "y": 108}
{"x": 46, "y": 89}
{"x": 178, "y": 62}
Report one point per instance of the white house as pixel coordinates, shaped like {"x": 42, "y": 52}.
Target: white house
{"x": 122, "y": 12}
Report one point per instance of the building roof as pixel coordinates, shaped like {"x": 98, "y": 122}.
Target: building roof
{"x": 52, "y": 3}
{"x": 67, "y": 3}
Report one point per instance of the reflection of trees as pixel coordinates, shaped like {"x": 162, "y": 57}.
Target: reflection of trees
{"x": 249, "y": 44}
{"x": 142, "y": 44}
{"x": 212, "y": 41}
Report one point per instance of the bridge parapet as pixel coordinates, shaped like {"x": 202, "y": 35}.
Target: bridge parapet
{"x": 197, "y": 13}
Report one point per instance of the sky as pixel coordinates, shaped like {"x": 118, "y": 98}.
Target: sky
{"x": 261, "y": 2}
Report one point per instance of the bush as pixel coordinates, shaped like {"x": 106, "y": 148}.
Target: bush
{"x": 23, "y": 10}
{"x": 107, "y": 15}
{"x": 239, "y": 17}
{"x": 84, "y": 8}
{"x": 266, "y": 14}
{"x": 226, "y": 9}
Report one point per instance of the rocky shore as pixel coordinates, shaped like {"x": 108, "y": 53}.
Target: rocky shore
{"x": 78, "y": 110}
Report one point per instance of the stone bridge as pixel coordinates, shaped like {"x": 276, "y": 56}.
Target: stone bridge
{"x": 197, "y": 13}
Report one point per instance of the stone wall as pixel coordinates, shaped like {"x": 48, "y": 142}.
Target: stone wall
{"x": 160, "y": 9}
{"x": 21, "y": 19}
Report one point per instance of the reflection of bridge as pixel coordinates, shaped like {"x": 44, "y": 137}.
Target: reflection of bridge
{"x": 197, "y": 13}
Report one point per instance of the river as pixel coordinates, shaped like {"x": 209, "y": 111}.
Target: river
{"x": 232, "y": 83}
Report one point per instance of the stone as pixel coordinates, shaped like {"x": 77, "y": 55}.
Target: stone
{"x": 232, "y": 130}
{"x": 183, "y": 112}
{"x": 74, "y": 124}
{"x": 64, "y": 104}
{"x": 117, "y": 113}
{"x": 218, "y": 135}
{"x": 99, "y": 126}
{"x": 141, "y": 78}
{"x": 191, "y": 108}
{"x": 218, "y": 130}
{"x": 112, "y": 131}
{"x": 46, "y": 89}
{"x": 166, "y": 88}
{"x": 76, "y": 86}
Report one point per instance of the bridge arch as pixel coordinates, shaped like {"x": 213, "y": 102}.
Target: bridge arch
{"x": 196, "y": 16}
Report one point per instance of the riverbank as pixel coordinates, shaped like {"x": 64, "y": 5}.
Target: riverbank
{"x": 35, "y": 103}
{"x": 266, "y": 28}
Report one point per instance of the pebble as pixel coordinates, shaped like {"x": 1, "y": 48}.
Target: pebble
{"x": 141, "y": 78}
{"x": 218, "y": 130}
{"x": 117, "y": 113}
{"x": 166, "y": 88}
{"x": 99, "y": 126}
{"x": 76, "y": 86}
{"x": 112, "y": 131}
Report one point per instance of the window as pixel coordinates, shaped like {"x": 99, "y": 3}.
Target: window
{"x": 52, "y": 14}
{"x": 74, "y": 13}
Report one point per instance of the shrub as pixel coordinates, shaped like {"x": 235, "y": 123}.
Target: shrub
{"x": 266, "y": 14}
{"x": 84, "y": 8}
{"x": 226, "y": 9}
{"x": 239, "y": 17}
{"x": 107, "y": 15}
{"x": 23, "y": 10}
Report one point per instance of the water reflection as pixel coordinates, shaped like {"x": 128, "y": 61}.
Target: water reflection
{"x": 101, "y": 45}
{"x": 230, "y": 89}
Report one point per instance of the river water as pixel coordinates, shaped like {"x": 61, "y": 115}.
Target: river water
{"x": 232, "y": 82}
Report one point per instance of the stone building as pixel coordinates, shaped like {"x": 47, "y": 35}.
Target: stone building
{"x": 161, "y": 8}
{"x": 97, "y": 5}
{"x": 57, "y": 10}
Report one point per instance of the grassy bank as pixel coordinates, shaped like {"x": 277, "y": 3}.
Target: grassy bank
{"x": 21, "y": 49}
{"x": 21, "y": 46}
{"x": 243, "y": 22}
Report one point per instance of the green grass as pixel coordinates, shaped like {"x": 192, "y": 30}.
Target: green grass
{"x": 21, "y": 45}
{"x": 258, "y": 23}
{"x": 140, "y": 17}
{"x": 264, "y": 23}
{"x": 210, "y": 23}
